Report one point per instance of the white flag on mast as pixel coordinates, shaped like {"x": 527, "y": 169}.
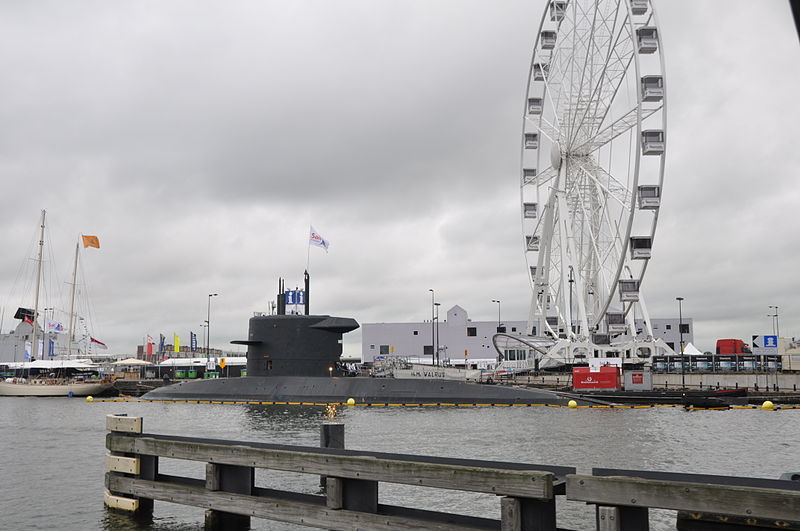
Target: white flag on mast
{"x": 316, "y": 239}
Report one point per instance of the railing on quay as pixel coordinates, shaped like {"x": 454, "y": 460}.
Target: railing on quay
{"x": 528, "y": 491}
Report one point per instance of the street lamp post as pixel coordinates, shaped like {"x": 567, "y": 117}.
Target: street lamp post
{"x": 208, "y": 326}
{"x": 776, "y": 328}
{"x": 498, "y": 313}
{"x": 680, "y": 331}
{"x": 433, "y": 325}
{"x": 204, "y": 325}
{"x": 436, "y": 350}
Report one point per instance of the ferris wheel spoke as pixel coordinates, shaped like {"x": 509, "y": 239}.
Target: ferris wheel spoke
{"x": 610, "y": 187}
{"x": 620, "y": 126}
{"x": 542, "y": 178}
{"x": 617, "y": 64}
{"x": 550, "y": 131}
{"x": 590, "y": 42}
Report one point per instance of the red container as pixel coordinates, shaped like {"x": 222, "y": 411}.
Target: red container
{"x": 607, "y": 379}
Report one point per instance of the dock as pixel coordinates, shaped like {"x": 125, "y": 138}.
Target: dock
{"x": 529, "y": 492}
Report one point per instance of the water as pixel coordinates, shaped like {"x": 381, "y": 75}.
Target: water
{"x": 52, "y": 451}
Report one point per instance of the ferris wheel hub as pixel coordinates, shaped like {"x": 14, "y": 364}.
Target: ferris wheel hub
{"x": 555, "y": 155}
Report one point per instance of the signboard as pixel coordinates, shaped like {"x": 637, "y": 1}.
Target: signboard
{"x": 222, "y": 363}
{"x": 765, "y": 345}
{"x": 296, "y": 296}
{"x": 606, "y": 378}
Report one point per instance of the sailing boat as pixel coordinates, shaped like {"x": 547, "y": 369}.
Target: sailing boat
{"x": 54, "y": 377}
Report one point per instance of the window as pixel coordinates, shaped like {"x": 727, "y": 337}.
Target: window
{"x": 671, "y": 345}
{"x": 372, "y": 347}
{"x": 472, "y": 331}
{"x": 427, "y": 350}
{"x": 384, "y": 349}
{"x": 533, "y": 331}
{"x": 501, "y": 329}
{"x": 416, "y": 332}
{"x": 269, "y": 365}
{"x": 668, "y": 327}
{"x": 513, "y": 328}
{"x": 684, "y": 328}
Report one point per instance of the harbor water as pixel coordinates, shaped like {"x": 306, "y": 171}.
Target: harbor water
{"x": 52, "y": 459}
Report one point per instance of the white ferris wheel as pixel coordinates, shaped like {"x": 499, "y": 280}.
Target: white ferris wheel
{"x": 592, "y": 169}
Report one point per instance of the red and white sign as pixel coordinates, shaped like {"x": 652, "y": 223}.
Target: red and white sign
{"x": 607, "y": 378}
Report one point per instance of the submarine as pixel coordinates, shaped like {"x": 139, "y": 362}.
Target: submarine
{"x": 295, "y": 358}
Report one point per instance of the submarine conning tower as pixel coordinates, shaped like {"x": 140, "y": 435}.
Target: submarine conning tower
{"x": 295, "y": 345}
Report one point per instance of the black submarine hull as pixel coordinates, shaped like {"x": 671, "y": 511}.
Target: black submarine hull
{"x": 295, "y": 358}
{"x": 361, "y": 389}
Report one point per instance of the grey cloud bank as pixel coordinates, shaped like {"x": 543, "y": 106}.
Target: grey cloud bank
{"x": 200, "y": 139}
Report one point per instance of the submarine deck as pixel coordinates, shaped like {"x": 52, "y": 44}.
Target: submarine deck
{"x": 361, "y": 389}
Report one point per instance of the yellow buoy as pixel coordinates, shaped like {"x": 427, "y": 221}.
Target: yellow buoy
{"x": 89, "y": 399}
{"x": 572, "y": 404}
{"x": 768, "y": 405}
{"x": 351, "y": 402}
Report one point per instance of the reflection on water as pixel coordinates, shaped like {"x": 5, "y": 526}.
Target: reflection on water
{"x": 52, "y": 458}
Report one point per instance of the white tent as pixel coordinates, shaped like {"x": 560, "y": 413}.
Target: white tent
{"x": 132, "y": 362}
{"x": 691, "y": 350}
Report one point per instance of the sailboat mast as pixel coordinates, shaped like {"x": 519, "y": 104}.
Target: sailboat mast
{"x": 35, "y": 343}
{"x": 71, "y": 334}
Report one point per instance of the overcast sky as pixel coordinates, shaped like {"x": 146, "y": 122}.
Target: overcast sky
{"x": 200, "y": 139}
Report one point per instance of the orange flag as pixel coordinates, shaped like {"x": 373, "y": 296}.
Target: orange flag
{"x": 91, "y": 241}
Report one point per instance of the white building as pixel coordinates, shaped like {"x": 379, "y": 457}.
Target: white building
{"x": 460, "y": 337}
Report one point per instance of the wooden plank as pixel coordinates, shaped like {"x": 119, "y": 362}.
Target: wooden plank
{"x": 284, "y": 510}
{"x": 125, "y": 465}
{"x": 766, "y": 483}
{"x": 334, "y": 492}
{"x": 509, "y": 482}
{"x": 213, "y": 476}
{"x": 510, "y": 514}
{"x": 120, "y": 502}
{"x": 123, "y": 424}
{"x": 695, "y": 497}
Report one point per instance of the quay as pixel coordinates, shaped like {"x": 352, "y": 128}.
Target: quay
{"x": 528, "y": 492}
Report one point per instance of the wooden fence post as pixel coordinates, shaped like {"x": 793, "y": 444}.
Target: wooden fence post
{"x": 144, "y": 467}
{"x": 622, "y": 518}
{"x": 330, "y": 436}
{"x": 228, "y": 478}
{"x": 531, "y": 514}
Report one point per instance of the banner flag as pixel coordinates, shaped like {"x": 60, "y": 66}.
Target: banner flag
{"x": 90, "y": 241}
{"x": 161, "y": 341}
{"x": 192, "y": 341}
{"x": 55, "y": 326}
{"x": 176, "y": 341}
{"x": 316, "y": 239}
{"x": 28, "y": 350}
{"x": 51, "y": 351}
{"x": 97, "y": 342}
{"x": 149, "y": 348}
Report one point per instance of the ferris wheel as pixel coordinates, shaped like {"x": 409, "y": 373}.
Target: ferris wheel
{"x": 592, "y": 167}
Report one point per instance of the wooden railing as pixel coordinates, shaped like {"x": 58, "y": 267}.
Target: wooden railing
{"x": 528, "y": 491}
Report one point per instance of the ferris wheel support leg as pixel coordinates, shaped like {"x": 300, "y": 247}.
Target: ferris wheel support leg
{"x": 646, "y": 316}
{"x": 578, "y": 279}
